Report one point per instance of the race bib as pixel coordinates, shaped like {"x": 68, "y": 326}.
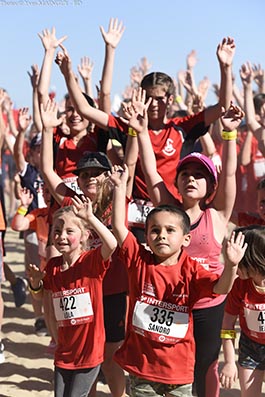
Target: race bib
{"x": 138, "y": 211}
{"x": 255, "y": 320}
{"x": 159, "y": 324}
{"x": 72, "y": 307}
{"x": 71, "y": 182}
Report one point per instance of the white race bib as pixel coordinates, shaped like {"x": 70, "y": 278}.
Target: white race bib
{"x": 72, "y": 307}
{"x": 159, "y": 324}
{"x": 138, "y": 211}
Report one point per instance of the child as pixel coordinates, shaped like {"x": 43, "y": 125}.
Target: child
{"x": 164, "y": 284}
{"x": 75, "y": 279}
{"x": 207, "y": 203}
{"x": 244, "y": 219}
{"x": 246, "y": 301}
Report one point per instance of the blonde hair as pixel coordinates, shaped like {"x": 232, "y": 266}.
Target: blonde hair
{"x": 69, "y": 211}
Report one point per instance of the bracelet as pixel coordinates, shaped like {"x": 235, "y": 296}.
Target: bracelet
{"x": 22, "y": 210}
{"x": 229, "y": 135}
{"x": 178, "y": 99}
{"x": 228, "y": 334}
{"x": 36, "y": 290}
{"x": 131, "y": 132}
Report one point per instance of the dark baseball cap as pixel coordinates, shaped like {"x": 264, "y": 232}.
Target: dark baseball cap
{"x": 93, "y": 160}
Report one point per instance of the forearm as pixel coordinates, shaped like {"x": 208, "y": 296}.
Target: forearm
{"x": 226, "y": 280}
{"x": 109, "y": 242}
{"x": 45, "y": 76}
{"x": 148, "y": 164}
{"x": 19, "y": 221}
{"x": 118, "y": 213}
{"x": 246, "y": 150}
{"x": 84, "y": 109}
{"x": 18, "y": 151}
{"x": 250, "y": 109}
{"x": 36, "y": 110}
{"x": 106, "y": 79}
{"x": 208, "y": 145}
{"x": 226, "y": 86}
{"x": 12, "y": 123}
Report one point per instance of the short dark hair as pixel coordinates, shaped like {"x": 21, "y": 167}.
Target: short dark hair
{"x": 254, "y": 257}
{"x": 172, "y": 209}
{"x": 159, "y": 79}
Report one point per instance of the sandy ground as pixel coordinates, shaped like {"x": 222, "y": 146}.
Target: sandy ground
{"x": 28, "y": 369}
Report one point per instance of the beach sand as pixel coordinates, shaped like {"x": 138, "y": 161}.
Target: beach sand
{"x": 28, "y": 368}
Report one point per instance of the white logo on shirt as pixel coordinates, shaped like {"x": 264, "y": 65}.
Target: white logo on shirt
{"x": 169, "y": 149}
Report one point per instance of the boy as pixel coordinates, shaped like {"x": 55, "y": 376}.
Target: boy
{"x": 164, "y": 284}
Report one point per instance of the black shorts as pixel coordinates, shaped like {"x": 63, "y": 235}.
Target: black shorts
{"x": 114, "y": 316}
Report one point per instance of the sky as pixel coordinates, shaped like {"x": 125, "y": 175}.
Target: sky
{"x": 163, "y": 31}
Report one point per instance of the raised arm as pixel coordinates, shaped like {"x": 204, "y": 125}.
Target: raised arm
{"x": 83, "y": 209}
{"x": 111, "y": 38}
{"x": 23, "y": 122}
{"x": 226, "y": 191}
{"x": 50, "y": 43}
{"x": 234, "y": 252}
{"x": 94, "y": 115}
{"x": 54, "y": 183}
{"x": 225, "y": 54}
{"x": 138, "y": 121}
{"x": 34, "y": 79}
{"x": 119, "y": 179}
{"x": 85, "y": 70}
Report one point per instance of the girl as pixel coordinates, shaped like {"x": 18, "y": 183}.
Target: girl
{"x": 75, "y": 279}
{"x": 93, "y": 181}
{"x": 207, "y": 203}
{"x": 246, "y": 301}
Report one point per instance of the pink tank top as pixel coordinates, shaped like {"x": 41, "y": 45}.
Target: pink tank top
{"x": 206, "y": 250}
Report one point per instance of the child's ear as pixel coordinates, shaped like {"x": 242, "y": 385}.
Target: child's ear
{"x": 186, "y": 240}
{"x": 170, "y": 99}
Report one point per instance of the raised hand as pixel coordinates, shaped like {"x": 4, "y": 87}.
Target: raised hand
{"x": 235, "y": 248}
{"x": 136, "y": 112}
{"x": 246, "y": 73}
{"x": 226, "y": 51}
{"x": 85, "y": 68}
{"x": 114, "y": 34}
{"x": 83, "y": 207}
{"x": 26, "y": 197}
{"x": 191, "y": 59}
{"x": 119, "y": 175}
{"x": 64, "y": 61}
{"x": 34, "y": 76}
{"x": 231, "y": 118}
{"x": 35, "y": 275}
{"x": 24, "y": 119}
{"x": 49, "y": 114}
{"x": 49, "y": 39}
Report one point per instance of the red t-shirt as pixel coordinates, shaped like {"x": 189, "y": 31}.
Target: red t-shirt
{"x": 159, "y": 344}
{"x": 167, "y": 147}
{"x": 77, "y": 300}
{"x": 68, "y": 153}
{"x": 247, "y": 303}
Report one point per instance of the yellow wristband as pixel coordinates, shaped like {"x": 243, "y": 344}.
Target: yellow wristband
{"x": 36, "y": 290}
{"x": 131, "y": 132}
{"x": 178, "y": 99}
{"x": 228, "y": 334}
{"x": 22, "y": 210}
{"x": 229, "y": 135}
